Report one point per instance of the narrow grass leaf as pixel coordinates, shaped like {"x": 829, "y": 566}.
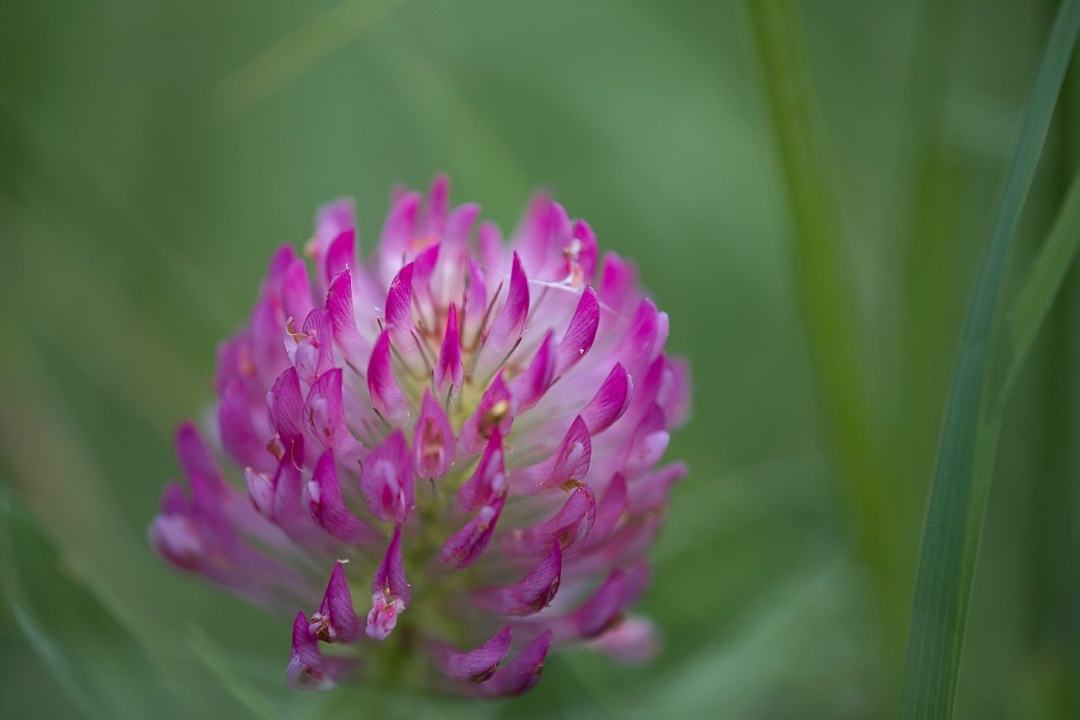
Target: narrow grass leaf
{"x": 955, "y": 513}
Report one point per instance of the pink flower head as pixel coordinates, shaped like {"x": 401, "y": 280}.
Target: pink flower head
{"x": 466, "y": 430}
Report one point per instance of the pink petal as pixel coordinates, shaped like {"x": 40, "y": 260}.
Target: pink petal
{"x": 610, "y": 401}
{"x": 465, "y": 546}
{"x": 340, "y": 254}
{"x": 433, "y": 440}
{"x": 387, "y": 396}
{"x": 387, "y": 480}
{"x": 286, "y": 405}
{"x": 339, "y": 305}
{"x": 327, "y": 507}
{"x": 580, "y": 334}
{"x": 523, "y": 672}
{"x": 296, "y": 296}
{"x": 507, "y": 327}
{"x": 568, "y": 527}
{"x": 569, "y": 462}
{"x": 528, "y": 387}
{"x": 477, "y": 665}
{"x": 449, "y": 367}
{"x": 529, "y": 595}
{"x": 335, "y": 620}
{"x": 488, "y": 480}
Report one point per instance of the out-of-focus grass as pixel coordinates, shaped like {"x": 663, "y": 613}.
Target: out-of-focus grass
{"x": 146, "y": 176}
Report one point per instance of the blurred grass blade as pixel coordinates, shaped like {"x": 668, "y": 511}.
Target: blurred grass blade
{"x": 828, "y": 302}
{"x": 1047, "y": 274}
{"x": 104, "y": 669}
{"x": 954, "y": 516}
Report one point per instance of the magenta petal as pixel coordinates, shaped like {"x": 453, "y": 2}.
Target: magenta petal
{"x": 637, "y": 346}
{"x": 340, "y": 255}
{"x": 569, "y": 527}
{"x": 323, "y": 411}
{"x": 387, "y": 481}
{"x": 327, "y": 507}
{"x": 475, "y": 305}
{"x": 399, "y": 299}
{"x": 433, "y": 440}
{"x": 275, "y": 272}
{"x": 449, "y": 367}
{"x": 237, "y": 428}
{"x": 207, "y": 487}
{"x": 674, "y": 394}
{"x": 287, "y": 406}
{"x": 335, "y": 620}
{"x": 386, "y": 395}
{"x": 529, "y": 595}
{"x": 267, "y": 352}
{"x": 523, "y": 672}
{"x": 651, "y": 492}
{"x": 611, "y": 512}
{"x": 339, "y": 305}
{"x": 308, "y": 668}
{"x": 632, "y": 641}
{"x": 296, "y": 296}
{"x": 528, "y": 387}
{"x": 390, "y": 591}
{"x": 569, "y": 462}
{"x": 610, "y": 401}
{"x": 488, "y": 480}
{"x": 508, "y": 324}
{"x": 618, "y": 278}
{"x": 581, "y": 332}
{"x": 494, "y": 412}
{"x": 465, "y": 546}
{"x": 581, "y": 254}
{"x": 477, "y": 665}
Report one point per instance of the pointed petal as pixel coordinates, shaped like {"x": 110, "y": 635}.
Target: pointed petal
{"x": 651, "y": 492}
{"x": 308, "y": 668}
{"x": 236, "y": 426}
{"x": 493, "y": 412}
{"x": 296, "y": 298}
{"x": 336, "y": 620}
{"x": 477, "y": 665}
{"x": 325, "y": 504}
{"x": 569, "y": 462}
{"x": 287, "y": 405}
{"x": 324, "y": 412}
{"x": 433, "y": 440}
{"x": 618, "y": 280}
{"x": 581, "y": 332}
{"x": 529, "y": 595}
{"x": 523, "y": 672}
{"x": 340, "y": 255}
{"x": 611, "y": 512}
{"x": 568, "y": 527}
{"x": 633, "y": 641}
{"x": 387, "y": 481}
{"x": 399, "y": 299}
{"x": 528, "y": 387}
{"x": 466, "y": 545}
{"x": 610, "y": 401}
{"x": 390, "y": 592}
{"x": 674, "y": 396}
{"x": 387, "y": 396}
{"x": 507, "y": 327}
{"x": 488, "y": 480}
{"x": 449, "y": 370}
{"x": 339, "y": 305}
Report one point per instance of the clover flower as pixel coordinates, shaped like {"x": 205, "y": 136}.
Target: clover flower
{"x": 449, "y": 451}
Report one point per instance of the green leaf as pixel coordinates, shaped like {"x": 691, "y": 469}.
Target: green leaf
{"x": 104, "y": 669}
{"x": 957, "y": 500}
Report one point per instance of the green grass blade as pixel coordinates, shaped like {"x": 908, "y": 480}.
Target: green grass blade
{"x": 954, "y": 517}
{"x": 1044, "y": 280}
{"x": 827, "y": 299}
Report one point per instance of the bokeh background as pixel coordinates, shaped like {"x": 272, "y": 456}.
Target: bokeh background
{"x": 153, "y": 152}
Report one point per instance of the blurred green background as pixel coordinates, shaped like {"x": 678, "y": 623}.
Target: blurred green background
{"x": 153, "y": 152}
